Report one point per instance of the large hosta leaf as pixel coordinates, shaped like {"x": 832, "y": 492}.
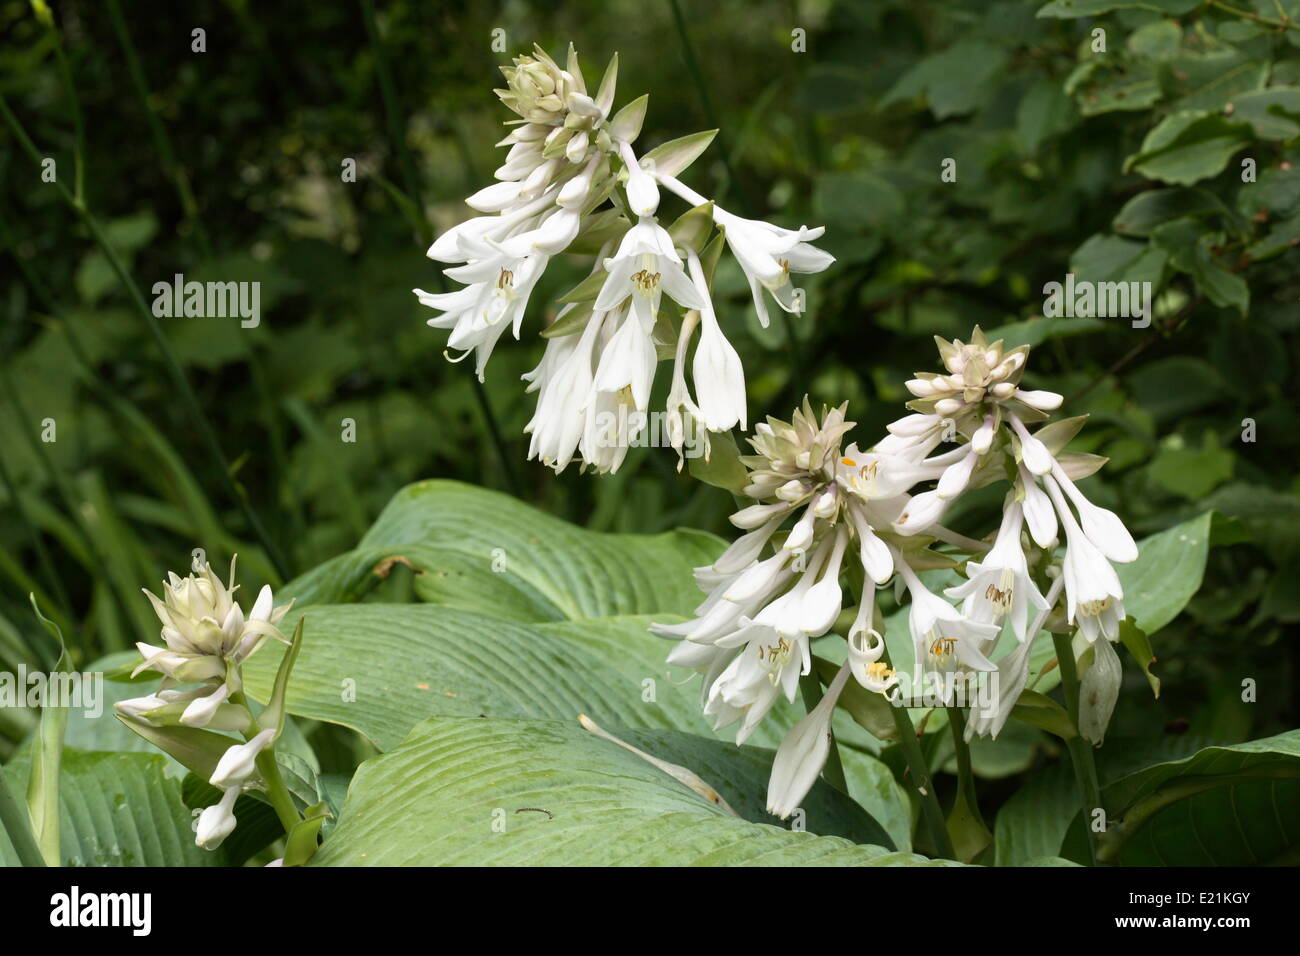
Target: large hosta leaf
{"x": 382, "y": 668}
{"x": 511, "y": 792}
{"x": 482, "y": 550}
{"x": 1222, "y": 806}
{"x": 1167, "y": 573}
{"x": 119, "y": 809}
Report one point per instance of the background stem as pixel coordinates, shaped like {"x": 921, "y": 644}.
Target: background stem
{"x": 1085, "y": 769}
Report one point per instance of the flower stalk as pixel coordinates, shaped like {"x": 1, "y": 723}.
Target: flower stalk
{"x": 1081, "y": 758}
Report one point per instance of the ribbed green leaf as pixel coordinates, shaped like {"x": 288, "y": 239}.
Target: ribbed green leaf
{"x": 1221, "y": 806}
{"x": 382, "y": 668}
{"x": 533, "y": 793}
{"x": 483, "y": 550}
{"x": 119, "y": 809}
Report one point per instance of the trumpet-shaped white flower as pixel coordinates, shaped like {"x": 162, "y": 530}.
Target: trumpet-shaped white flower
{"x": 563, "y": 382}
{"x": 1000, "y": 587}
{"x": 644, "y": 268}
{"x": 803, "y": 752}
{"x": 495, "y": 300}
{"x": 217, "y": 822}
{"x": 767, "y": 254}
{"x": 943, "y": 638}
{"x": 238, "y": 763}
{"x": 1094, "y": 596}
{"x": 1103, "y": 527}
{"x": 719, "y": 375}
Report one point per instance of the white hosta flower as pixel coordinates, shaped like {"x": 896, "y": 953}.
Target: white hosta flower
{"x": 495, "y": 198}
{"x": 866, "y": 648}
{"x": 1033, "y": 452}
{"x": 614, "y": 421}
{"x": 1103, "y": 527}
{"x": 494, "y": 301}
{"x": 1094, "y": 596}
{"x": 628, "y": 361}
{"x": 563, "y": 385}
{"x": 1012, "y": 675}
{"x": 943, "y": 637}
{"x": 680, "y": 403}
{"x": 645, "y": 267}
{"x": 217, "y": 822}
{"x": 767, "y": 667}
{"x": 999, "y": 587}
{"x": 767, "y": 254}
{"x": 481, "y": 237}
{"x": 137, "y": 707}
{"x": 922, "y": 511}
{"x": 238, "y": 763}
{"x": 803, "y": 752}
{"x": 820, "y": 604}
{"x": 1039, "y": 513}
{"x": 642, "y": 193}
{"x": 719, "y": 374}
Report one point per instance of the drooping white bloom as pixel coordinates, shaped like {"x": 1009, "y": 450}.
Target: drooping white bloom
{"x": 1094, "y": 596}
{"x": 628, "y": 361}
{"x": 238, "y": 763}
{"x": 217, "y": 821}
{"x": 803, "y": 752}
{"x": 642, "y": 193}
{"x": 767, "y": 254}
{"x": 1033, "y": 452}
{"x": 495, "y": 300}
{"x": 1000, "y": 587}
{"x": 719, "y": 375}
{"x": 1103, "y": 527}
{"x": 1038, "y": 510}
{"x": 646, "y": 266}
{"x": 942, "y": 637}
{"x": 563, "y": 382}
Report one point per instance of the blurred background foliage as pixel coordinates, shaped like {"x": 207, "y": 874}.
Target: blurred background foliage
{"x": 1122, "y": 163}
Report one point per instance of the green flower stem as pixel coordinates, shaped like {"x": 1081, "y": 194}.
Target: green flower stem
{"x": 276, "y": 792}
{"x": 923, "y": 782}
{"x": 810, "y": 688}
{"x": 1085, "y": 769}
{"x": 410, "y": 177}
{"x": 965, "y": 775}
